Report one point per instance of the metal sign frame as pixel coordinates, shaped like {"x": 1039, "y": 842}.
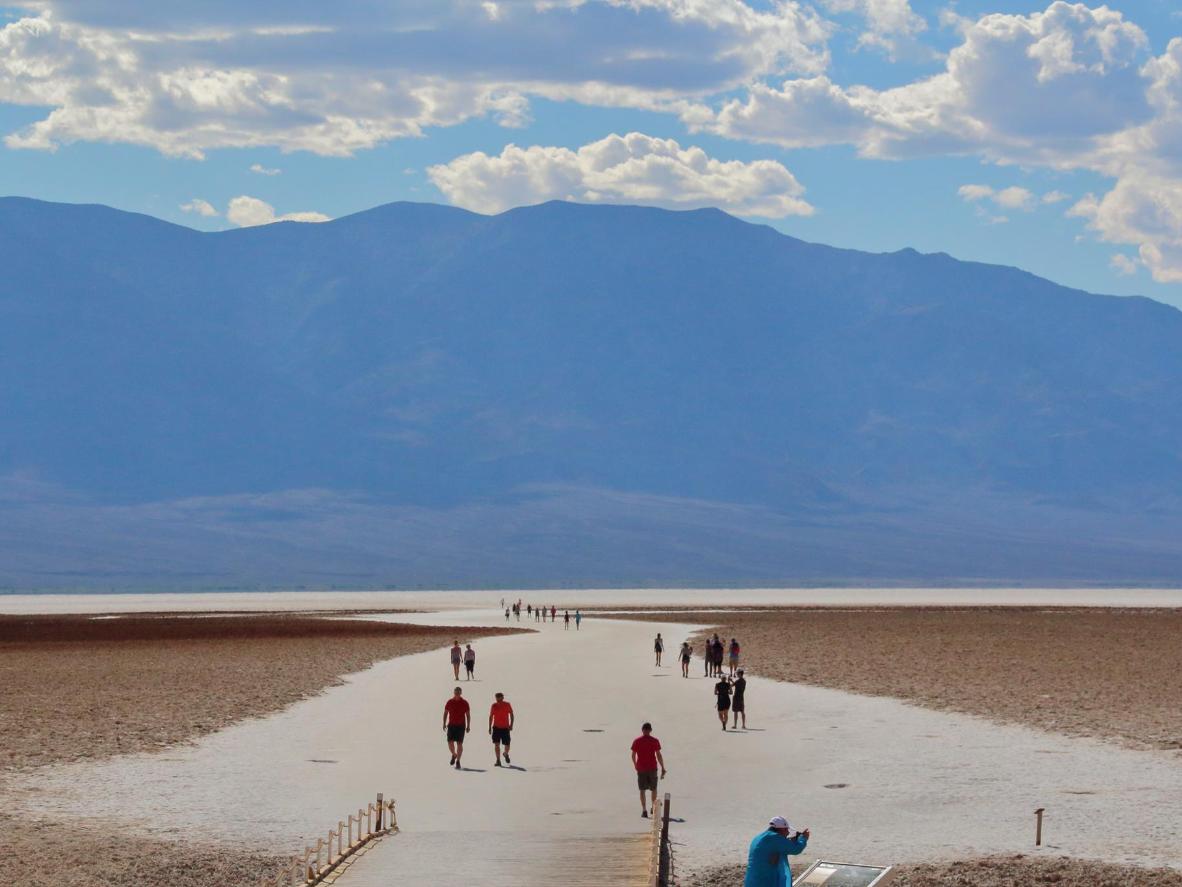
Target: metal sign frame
{"x": 883, "y": 871}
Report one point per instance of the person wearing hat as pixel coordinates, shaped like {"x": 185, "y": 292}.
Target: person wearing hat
{"x": 767, "y": 859}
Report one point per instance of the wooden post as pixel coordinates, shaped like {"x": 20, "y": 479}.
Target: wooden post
{"x": 369, "y": 819}
{"x": 381, "y": 810}
{"x": 1038, "y": 826}
{"x": 340, "y": 838}
{"x": 663, "y": 846}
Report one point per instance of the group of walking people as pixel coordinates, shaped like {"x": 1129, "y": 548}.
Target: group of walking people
{"x": 539, "y": 614}
{"x": 730, "y": 691}
{"x": 768, "y": 855}
{"x": 457, "y": 723}
{"x": 714, "y": 654}
{"x": 465, "y": 657}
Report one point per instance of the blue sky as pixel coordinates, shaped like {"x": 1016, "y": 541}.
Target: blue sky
{"x": 1043, "y": 135}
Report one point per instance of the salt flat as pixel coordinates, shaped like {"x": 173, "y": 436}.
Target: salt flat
{"x": 696, "y": 598}
{"x": 876, "y": 779}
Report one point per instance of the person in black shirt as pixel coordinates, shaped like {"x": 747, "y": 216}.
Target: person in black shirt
{"x": 723, "y": 691}
{"x": 718, "y": 650}
{"x": 738, "y": 705}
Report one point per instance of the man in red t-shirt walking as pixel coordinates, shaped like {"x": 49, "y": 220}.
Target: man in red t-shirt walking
{"x": 646, "y": 756}
{"x": 500, "y": 726}
{"x": 457, "y": 720}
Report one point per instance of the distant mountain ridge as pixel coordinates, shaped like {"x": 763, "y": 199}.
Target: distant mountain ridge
{"x": 566, "y": 394}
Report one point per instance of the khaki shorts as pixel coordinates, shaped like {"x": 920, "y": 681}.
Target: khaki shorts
{"x": 647, "y": 780}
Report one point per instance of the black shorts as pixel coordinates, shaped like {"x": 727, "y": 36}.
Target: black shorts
{"x": 647, "y": 780}
{"x": 455, "y": 733}
{"x": 501, "y": 735}
{"x": 737, "y": 705}
{"x": 724, "y": 706}
{"x": 471, "y": 666}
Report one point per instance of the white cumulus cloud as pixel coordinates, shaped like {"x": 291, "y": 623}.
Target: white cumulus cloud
{"x": 1013, "y": 197}
{"x": 338, "y": 78}
{"x": 1145, "y": 211}
{"x": 261, "y": 170}
{"x": 634, "y": 168}
{"x": 1123, "y": 264}
{"x": 888, "y": 23}
{"x": 199, "y": 207}
{"x": 246, "y": 212}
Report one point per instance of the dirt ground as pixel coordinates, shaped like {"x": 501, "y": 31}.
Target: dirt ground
{"x": 995, "y": 871}
{"x": 83, "y": 688}
{"x": 1114, "y": 674}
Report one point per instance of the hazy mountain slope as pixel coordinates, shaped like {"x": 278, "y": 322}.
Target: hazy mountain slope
{"x": 859, "y": 416}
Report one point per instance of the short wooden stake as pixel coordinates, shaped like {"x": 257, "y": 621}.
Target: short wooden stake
{"x": 381, "y": 811}
{"x": 1038, "y": 826}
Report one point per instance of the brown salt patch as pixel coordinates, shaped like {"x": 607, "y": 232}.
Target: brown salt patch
{"x": 82, "y": 688}
{"x": 1108, "y": 673}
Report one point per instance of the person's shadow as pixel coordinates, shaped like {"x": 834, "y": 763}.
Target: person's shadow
{"x": 472, "y": 770}
{"x": 514, "y": 767}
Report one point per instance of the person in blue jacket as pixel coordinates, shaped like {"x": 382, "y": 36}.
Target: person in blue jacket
{"x": 767, "y": 860}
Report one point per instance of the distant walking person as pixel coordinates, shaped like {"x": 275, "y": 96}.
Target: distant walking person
{"x": 722, "y": 690}
{"x": 553, "y": 612}
{"x": 646, "y": 756}
{"x": 687, "y": 653}
{"x": 578, "y": 619}
{"x": 733, "y": 656}
{"x": 457, "y": 720}
{"x": 718, "y": 651}
{"x": 566, "y": 620}
{"x": 537, "y": 614}
{"x": 470, "y": 662}
{"x": 767, "y": 858}
{"x": 708, "y": 658}
{"x": 500, "y": 726}
{"x": 457, "y": 656}
{"x": 506, "y": 614}
{"x": 739, "y": 702}
{"x": 658, "y": 647}
{"x": 529, "y": 610}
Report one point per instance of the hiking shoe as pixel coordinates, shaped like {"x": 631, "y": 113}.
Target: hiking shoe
{"x": 644, "y": 814}
{"x": 452, "y": 761}
{"x": 458, "y": 767}
{"x": 507, "y": 761}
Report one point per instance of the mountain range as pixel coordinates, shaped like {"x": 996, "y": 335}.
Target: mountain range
{"x": 569, "y": 395}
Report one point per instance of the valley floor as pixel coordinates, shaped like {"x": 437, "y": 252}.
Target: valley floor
{"x": 944, "y": 793}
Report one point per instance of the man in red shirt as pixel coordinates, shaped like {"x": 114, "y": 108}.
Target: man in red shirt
{"x": 457, "y": 720}
{"x": 646, "y": 756}
{"x": 500, "y": 726}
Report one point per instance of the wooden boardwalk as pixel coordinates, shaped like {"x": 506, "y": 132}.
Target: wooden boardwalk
{"x": 496, "y": 859}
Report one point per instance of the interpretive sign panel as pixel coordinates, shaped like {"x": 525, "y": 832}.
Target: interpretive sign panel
{"x": 841, "y": 874}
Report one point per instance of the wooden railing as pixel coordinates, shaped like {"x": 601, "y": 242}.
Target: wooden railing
{"x": 661, "y": 858}
{"x": 347, "y": 838}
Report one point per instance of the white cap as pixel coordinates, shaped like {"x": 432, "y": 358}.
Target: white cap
{"x": 778, "y": 822}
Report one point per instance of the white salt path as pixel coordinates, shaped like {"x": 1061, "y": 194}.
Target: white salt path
{"x": 876, "y": 779}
